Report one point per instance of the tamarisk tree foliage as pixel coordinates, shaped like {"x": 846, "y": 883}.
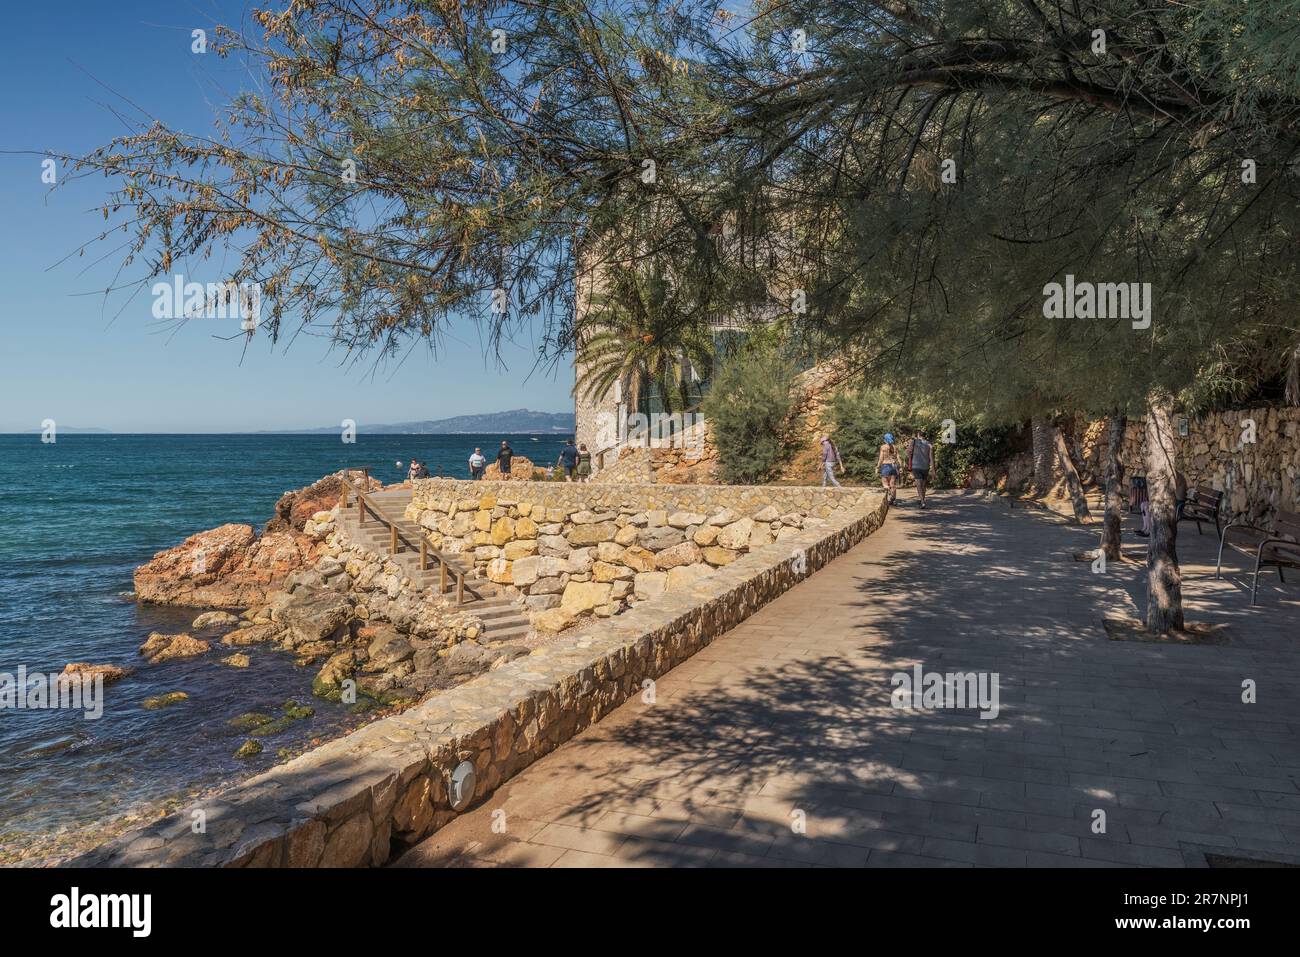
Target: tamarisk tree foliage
{"x": 403, "y": 163}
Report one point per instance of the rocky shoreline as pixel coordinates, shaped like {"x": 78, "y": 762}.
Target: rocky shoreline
{"x": 306, "y": 588}
{"x": 375, "y": 642}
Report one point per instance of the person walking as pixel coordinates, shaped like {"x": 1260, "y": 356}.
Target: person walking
{"x": 568, "y": 459}
{"x": 888, "y": 463}
{"x": 920, "y": 459}
{"x": 503, "y": 458}
{"x": 584, "y": 463}
{"x": 830, "y": 459}
{"x": 477, "y": 463}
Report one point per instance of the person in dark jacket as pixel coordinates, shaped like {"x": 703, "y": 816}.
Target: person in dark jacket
{"x": 504, "y": 457}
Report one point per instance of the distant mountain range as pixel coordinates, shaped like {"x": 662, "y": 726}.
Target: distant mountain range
{"x": 514, "y": 421}
{"x": 69, "y": 429}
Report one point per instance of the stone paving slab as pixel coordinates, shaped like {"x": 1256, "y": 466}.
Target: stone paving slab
{"x": 777, "y": 745}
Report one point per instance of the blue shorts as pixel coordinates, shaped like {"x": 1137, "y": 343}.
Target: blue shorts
{"x": 887, "y": 470}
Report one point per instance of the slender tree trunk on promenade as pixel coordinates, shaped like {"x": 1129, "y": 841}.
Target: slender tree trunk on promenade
{"x": 1063, "y": 461}
{"x": 1164, "y": 578}
{"x": 1112, "y": 523}
{"x": 1041, "y": 430}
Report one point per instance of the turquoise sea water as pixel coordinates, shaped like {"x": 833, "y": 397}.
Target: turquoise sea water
{"x": 80, "y": 514}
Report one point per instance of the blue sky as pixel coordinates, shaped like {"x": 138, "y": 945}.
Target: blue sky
{"x": 63, "y": 353}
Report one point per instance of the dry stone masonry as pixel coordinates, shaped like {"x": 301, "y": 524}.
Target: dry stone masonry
{"x": 571, "y": 551}
{"x": 1260, "y": 477}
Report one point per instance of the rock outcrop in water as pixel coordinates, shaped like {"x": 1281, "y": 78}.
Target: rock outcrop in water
{"x": 226, "y": 567}
{"x": 81, "y": 671}
{"x": 159, "y": 647}
{"x": 232, "y": 566}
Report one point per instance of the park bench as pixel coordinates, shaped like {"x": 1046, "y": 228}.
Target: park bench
{"x": 1202, "y": 505}
{"x": 1278, "y": 548}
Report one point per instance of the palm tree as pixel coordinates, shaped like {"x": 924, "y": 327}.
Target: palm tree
{"x": 639, "y": 331}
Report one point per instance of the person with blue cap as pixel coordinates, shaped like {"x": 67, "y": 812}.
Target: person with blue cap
{"x": 888, "y": 464}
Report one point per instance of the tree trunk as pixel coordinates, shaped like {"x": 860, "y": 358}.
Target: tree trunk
{"x": 1077, "y": 499}
{"x": 1041, "y": 428}
{"x": 1113, "y": 521}
{"x": 1164, "y": 578}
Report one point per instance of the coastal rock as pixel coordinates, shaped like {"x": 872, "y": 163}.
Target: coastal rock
{"x": 164, "y": 700}
{"x": 314, "y": 615}
{"x": 295, "y": 509}
{"x": 388, "y": 648}
{"x": 470, "y": 658}
{"x": 521, "y": 470}
{"x": 159, "y": 647}
{"x": 334, "y": 672}
{"x": 237, "y": 660}
{"x": 85, "y": 671}
{"x": 228, "y": 566}
{"x": 215, "y": 619}
{"x": 253, "y": 635}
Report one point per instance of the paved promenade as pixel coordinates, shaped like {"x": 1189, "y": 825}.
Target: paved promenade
{"x": 785, "y": 723}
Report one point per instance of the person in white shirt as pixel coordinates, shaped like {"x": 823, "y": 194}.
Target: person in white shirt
{"x": 477, "y": 463}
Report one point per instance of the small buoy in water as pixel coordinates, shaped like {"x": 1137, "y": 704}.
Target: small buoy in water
{"x": 398, "y": 464}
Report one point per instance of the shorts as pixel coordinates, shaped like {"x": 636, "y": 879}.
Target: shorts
{"x": 921, "y": 475}
{"x": 887, "y": 471}
{"x": 569, "y": 470}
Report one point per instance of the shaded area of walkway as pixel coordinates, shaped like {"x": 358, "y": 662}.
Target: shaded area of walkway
{"x": 785, "y": 723}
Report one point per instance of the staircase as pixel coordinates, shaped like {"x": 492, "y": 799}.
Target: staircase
{"x": 502, "y": 618}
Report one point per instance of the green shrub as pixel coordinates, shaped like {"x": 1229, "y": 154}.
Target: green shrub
{"x": 747, "y": 409}
{"x": 860, "y": 420}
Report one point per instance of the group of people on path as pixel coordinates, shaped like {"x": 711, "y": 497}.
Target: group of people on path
{"x": 574, "y": 460}
{"x": 920, "y": 461}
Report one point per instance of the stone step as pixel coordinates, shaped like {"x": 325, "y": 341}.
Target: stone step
{"x": 496, "y": 632}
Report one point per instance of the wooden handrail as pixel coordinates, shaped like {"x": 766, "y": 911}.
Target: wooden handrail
{"x": 425, "y": 544}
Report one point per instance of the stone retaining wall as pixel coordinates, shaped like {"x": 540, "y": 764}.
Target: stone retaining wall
{"x": 573, "y": 550}
{"x": 356, "y": 801}
{"x": 1259, "y": 477}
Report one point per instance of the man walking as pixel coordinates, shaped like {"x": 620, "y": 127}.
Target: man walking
{"x": 920, "y": 457}
{"x": 504, "y": 457}
{"x": 568, "y": 460}
{"x": 830, "y": 459}
{"x": 477, "y": 463}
